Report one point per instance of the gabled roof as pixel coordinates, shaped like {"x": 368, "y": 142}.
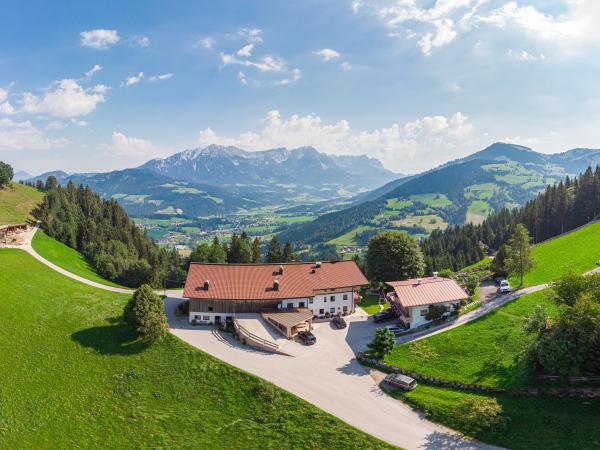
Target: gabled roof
{"x": 256, "y": 281}
{"x": 427, "y": 291}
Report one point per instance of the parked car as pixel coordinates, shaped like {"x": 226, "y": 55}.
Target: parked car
{"x": 384, "y": 316}
{"x": 401, "y": 381}
{"x": 339, "y": 322}
{"x": 307, "y": 338}
{"x": 504, "y": 286}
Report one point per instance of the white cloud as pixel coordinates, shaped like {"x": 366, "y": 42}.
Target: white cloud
{"x": 80, "y": 123}
{"x": 122, "y": 145}
{"x": 356, "y": 5}
{"x": 437, "y": 24}
{"x": 345, "y": 66}
{"x": 162, "y": 77}
{"x": 207, "y": 42}
{"x": 25, "y": 136}
{"x": 295, "y": 76}
{"x": 408, "y": 147}
{"x": 5, "y": 106}
{"x": 246, "y": 50}
{"x": 250, "y": 35}
{"x": 327, "y": 54}
{"x": 56, "y": 125}
{"x": 99, "y": 39}
{"x": 266, "y": 63}
{"x": 3, "y": 95}
{"x": 90, "y": 73}
{"x": 141, "y": 41}
{"x": 242, "y": 77}
{"x": 525, "y": 55}
{"x": 66, "y": 98}
{"x": 134, "y": 79}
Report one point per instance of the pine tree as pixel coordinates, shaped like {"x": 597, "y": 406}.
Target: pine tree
{"x": 518, "y": 253}
{"x": 217, "y": 252}
{"x": 288, "y": 252}
{"x": 256, "y": 250}
{"x": 274, "y": 251}
{"x": 145, "y": 311}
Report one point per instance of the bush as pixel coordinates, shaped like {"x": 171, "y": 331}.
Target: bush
{"x": 183, "y": 309}
{"x": 382, "y": 343}
{"x": 435, "y": 312}
{"x": 480, "y": 414}
{"x": 145, "y": 312}
{"x": 6, "y": 173}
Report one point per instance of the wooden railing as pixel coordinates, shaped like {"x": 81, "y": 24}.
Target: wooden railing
{"x": 268, "y": 345}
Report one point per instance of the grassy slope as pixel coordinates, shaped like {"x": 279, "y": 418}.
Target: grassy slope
{"x": 16, "y": 201}
{"x": 485, "y": 351}
{"x": 543, "y": 423}
{"x": 575, "y": 252}
{"x": 73, "y": 376}
{"x": 65, "y": 257}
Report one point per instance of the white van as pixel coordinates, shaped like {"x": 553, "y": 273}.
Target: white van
{"x": 504, "y": 286}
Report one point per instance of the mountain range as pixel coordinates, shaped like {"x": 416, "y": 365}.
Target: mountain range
{"x": 223, "y": 180}
{"x": 464, "y": 190}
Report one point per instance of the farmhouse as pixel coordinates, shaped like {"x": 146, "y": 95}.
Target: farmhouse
{"x": 217, "y": 292}
{"x": 413, "y": 299}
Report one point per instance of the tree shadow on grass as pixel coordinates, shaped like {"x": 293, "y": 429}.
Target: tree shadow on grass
{"x": 116, "y": 338}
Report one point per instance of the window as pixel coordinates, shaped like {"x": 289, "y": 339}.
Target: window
{"x": 345, "y": 296}
{"x": 332, "y": 310}
{"x": 345, "y": 309}
{"x": 205, "y": 317}
{"x": 210, "y": 308}
{"x": 325, "y": 298}
{"x": 332, "y": 298}
{"x": 310, "y": 300}
{"x": 301, "y": 305}
{"x": 424, "y": 312}
{"x": 321, "y": 311}
{"x": 290, "y": 305}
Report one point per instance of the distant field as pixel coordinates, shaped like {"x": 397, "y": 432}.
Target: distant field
{"x": 397, "y": 204}
{"x": 65, "y": 257}
{"x": 575, "y": 252}
{"x": 478, "y": 211}
{"x": 434, "y": 200}
{"x": 75, "y": 376}
{"x": 348, "y": 238}
{"x": 16, "y": 202}
{"x": 429, "y": 221}
{"x": 483, "y": 191}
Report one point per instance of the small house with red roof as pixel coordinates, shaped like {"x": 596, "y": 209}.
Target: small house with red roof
{"x": 217, "y": 292}
{"x": 412, "y": 300}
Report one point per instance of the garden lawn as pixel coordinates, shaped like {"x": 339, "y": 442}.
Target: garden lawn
{"x": 66, "y": 257}
{"x": 574, "y": 252}
{"x": 16, "y": 202}
{"x": 74, "y": 376}
{"x": 486, "y": 351}
{"x": 534, "y": 423}
{"x": 370, "y": 304}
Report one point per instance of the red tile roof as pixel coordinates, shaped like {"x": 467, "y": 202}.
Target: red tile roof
{"x": 427, "y": 291}
{"x": 256, "y": 281}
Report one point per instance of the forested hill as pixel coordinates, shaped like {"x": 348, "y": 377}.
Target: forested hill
{"x": 459, "y": 192}
{"x": 560, "y": 208}
{"x": 103, "y": 232}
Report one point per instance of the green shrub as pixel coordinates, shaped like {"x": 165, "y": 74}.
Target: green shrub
{"x": 480, "y": 414}
{"x": 145, "y": 312}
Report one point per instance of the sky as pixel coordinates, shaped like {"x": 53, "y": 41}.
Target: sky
{"x": 105, "y": 85}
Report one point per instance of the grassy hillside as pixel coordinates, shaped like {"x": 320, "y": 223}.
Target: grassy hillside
{"x": 575, "y": 252}
{"x": 65, "y": 257}
{"x": 485, "y": 351}
{"x": 489, "y": 351}
{"x": 73, "y": 375}
{"x": 16, "y": 202}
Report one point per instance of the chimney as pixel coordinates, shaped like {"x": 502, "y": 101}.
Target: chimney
{"x": 318, "y": 264}
{"x": 206, "y": 284}
{"x": 276, "y": 285}
{"x": 419, "y": 280}
{"x": 280, "y": 269}
{"x": 435, "y": 274}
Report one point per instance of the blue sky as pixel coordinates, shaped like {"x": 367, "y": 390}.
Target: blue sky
{"x": 105, "y": 85}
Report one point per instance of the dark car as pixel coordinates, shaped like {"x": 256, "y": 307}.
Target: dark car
{"x": 401, "y": 381}
{"x": 307, "y": 337}
{"x": 383, "y": 316}
{"x": 339, "y": 322}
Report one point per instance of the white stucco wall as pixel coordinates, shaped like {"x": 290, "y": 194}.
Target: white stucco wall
{"x": 417, "y": 319}
{"x": 319, "y": 304}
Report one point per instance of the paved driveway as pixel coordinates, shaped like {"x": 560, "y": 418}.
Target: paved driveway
{"x": 328, "y": 376}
